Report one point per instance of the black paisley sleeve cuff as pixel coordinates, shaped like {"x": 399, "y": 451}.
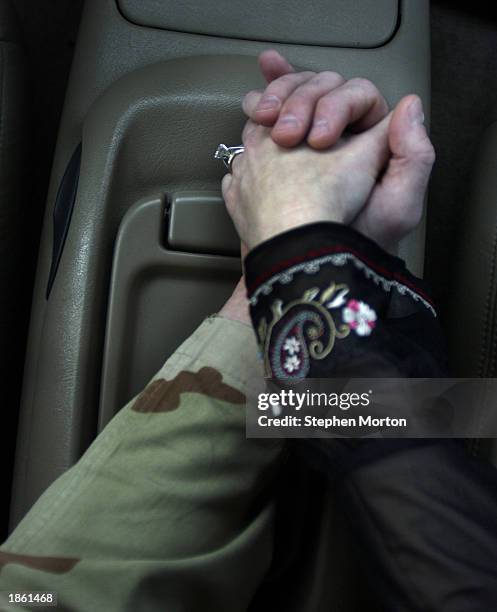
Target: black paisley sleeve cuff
{"x": 325, "y": 300}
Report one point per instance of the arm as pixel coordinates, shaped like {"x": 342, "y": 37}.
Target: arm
{"x": 171, "y": 506}
{"x": 424, "y": 511}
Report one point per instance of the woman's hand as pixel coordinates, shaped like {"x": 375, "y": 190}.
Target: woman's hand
{"x": 317, "y": 108}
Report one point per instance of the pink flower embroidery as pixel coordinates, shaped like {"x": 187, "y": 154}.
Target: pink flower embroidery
{"x": 360, "y": 317}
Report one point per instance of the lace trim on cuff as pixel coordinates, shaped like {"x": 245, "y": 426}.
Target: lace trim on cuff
{"x": 313, "y": 266}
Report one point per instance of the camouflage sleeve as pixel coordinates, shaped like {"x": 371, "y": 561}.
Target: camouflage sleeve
{"x": 170, "y": 508}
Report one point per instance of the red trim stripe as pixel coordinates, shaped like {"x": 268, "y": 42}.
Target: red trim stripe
{"x": 316, "y": 253}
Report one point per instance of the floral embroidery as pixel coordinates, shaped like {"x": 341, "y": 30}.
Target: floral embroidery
{"x": 302, "y": 330}
{"x": 305, "y": 329}
{"x": 292, "y": 364}
{"x": 359, "y": 317}
{"x": 292, "y": 345}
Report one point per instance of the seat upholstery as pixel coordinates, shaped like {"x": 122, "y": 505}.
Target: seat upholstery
{"x": 473, "y": 308}
{"x": 473, "y": 317}
{"x": 12, "y": 156}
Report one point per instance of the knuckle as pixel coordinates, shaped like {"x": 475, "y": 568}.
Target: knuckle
{"x": 301, "y": 93}
{"x": 253, "y": 134}
{"x": 307, "y": 74}
{"x": 251, "y": 137}
{"x": 248, "y": 129}
{"x": 251, "y": 99}
{"x": 283, "y": 81}
{"x": 365, "y": 85}
{"x": 324, "y": 105}
{"x": 426, "y": 154}
{"x": 291, "y": 79}
{"x": 298, "y": 102}
{"x": 327, "y": 77}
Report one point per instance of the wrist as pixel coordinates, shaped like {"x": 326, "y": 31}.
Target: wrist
{"x": 290, "y": 222}
{"x": 237, "y": 306}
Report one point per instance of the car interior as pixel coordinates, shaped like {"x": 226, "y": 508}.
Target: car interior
{"x": 114, "y": 238}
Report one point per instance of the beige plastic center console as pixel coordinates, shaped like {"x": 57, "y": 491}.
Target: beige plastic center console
{"x": 339, "y": 23}
{"x": 136, "y": 247}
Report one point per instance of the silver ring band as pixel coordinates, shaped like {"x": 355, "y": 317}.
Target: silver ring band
{"x": 228, "y": 154}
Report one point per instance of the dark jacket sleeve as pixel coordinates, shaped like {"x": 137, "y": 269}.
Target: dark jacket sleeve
{"x": 328, "y": 302}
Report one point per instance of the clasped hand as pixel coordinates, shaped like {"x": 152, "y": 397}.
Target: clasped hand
{"x": 320, "y": 148}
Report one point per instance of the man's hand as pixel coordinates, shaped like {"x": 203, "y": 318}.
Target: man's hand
{"x": 318, "y": 107}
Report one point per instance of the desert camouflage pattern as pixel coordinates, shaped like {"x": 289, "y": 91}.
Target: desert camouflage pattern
{"x": 170, "y": 508}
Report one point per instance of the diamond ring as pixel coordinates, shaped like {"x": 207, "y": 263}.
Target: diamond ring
{"x": 228, "y": 154}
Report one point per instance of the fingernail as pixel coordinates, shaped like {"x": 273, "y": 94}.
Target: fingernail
{"x": 320, "y": 129}
{"x": 321, "y": 125}
{"x": 268, "y": 103}
{"x": 415, "y": 111}
{"x": 287, "y": 122}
